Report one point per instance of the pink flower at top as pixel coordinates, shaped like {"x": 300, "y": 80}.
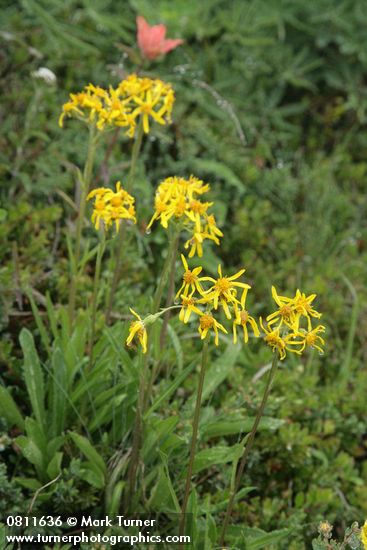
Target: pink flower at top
{"x": 152, "y": 40}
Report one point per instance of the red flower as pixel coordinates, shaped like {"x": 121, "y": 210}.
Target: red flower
{"x": 152, "y": 41}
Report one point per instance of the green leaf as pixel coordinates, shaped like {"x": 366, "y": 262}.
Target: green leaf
{"x": 89, "y": 452}
{"x": 30, "y": 451}
{"x": 51, "y": 316}
{"x": 9, "y": 410}
{"x": 39, "y": 322}
{"x": 33, "y": 376}
{"x": 232, "y": 427}
{"x": 29, "y": 483}
{"x": 239, "y": 495}
{"x": 262, "y": 541}
{"x": 54, "y": 467}
{"x": 191, "y": 520}
{"x": 105, "y": 413}
{"x": 176, "y": 346}
{"x": 171, "y": 388}
{"x": 92, "y": 476}
{"x": 35, "y": 433}
{"x": 219, "y": 170}
{"x": 161, "y": 496}
{"x": 114, "y": 503}
{"x": 169, "y": 483}
{"x": 59, "y": 392}
{"x": 216, "y": 455}
{"x": 217, "y": 373}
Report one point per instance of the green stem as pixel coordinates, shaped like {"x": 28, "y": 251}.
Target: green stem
{"x": 97, "y": 277}
{"x": 195, "y": 428}
{"x": 171, "y": 290}
{"x": 170, "y": 259}
{"x": 169, "y": 262}
{"x": 87, "y": 176}
{"x": 248, "y": 447}
{"x": 138, "y": 429}
{"x": 120, "y": 236}
{"x": 134, "y": 157}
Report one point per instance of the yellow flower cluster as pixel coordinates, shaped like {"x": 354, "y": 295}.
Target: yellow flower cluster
{"x": 289, "y": 328}
{"x": 110, "y": 207}
{"x": 177, "y": 200}
{"x": 135, "y": 98}
{"x": 224, "y": 292}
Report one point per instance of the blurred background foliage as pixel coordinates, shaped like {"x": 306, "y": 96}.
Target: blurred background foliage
{"x": 271, "y": 110}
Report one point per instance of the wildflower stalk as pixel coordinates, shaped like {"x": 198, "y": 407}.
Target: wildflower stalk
{"x": 138, "y": 428}
{"x": 143, "y": 368}
{"x": 195, "y": 428}
{"x": 97, "y": 276}
{"x": 86, "y": 181}
{"x": 168, "y": 268}
{"x": 121, "y": 234}
{"x": 170, "y": 260}
{"x": 248, "y": 447}
{"x": 171, "y": 290}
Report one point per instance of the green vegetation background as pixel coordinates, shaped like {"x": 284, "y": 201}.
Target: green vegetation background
{"x": 271, "y": 110}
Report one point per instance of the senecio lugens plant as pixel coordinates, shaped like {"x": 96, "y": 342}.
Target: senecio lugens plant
{"x": 217, "y": 305}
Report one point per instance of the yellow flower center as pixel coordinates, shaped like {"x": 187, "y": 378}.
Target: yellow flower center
{"x": 244, "y": 317}
{"x": 311, "y": 338}
{"x": 285, "y": 311}
{"x": 146, "y": 108}
{"x": 206, "y": 321}
{"x": 188, "y": 301}
{"x": 223, "y": 285}
{"x": 302, "y": 305}
{"x": 180, "y": 207}
{"x": 197, "y": 207}
{"x": 99, "y": 205}
{"x": 274, "y": 340}
{"x": 116, "y": 201}
{"x": 189, "y": 277}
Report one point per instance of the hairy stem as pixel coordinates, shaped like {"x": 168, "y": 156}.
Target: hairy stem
{"x": 248, "y": 447}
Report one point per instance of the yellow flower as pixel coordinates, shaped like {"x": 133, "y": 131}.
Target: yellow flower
{"x": 207, "y": 323}
{"x": 211, "y": 227}
{"x": 137, "y": 330}
{"x": 99, "y": 106}
{"x": 188, "y": 307}
{"x": 121, "y": 106}
{"x": 176, "y": 199}
{"x": 196, "y": 244}
{"x": 285, "y": 313}
{"x": 224, "y": 291}
{"x": 364, "y": 535}
{"x": 111, "y": 207}
{"x": 279, "y": 343}
{"x": 312, "y": 339}
{"x": 243, "y": 318}
{"x": 148, "y": 98}
{"x": 190, "y": 278}
{"x": 303, "y": 305}
{"x": 196, "y": 212}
